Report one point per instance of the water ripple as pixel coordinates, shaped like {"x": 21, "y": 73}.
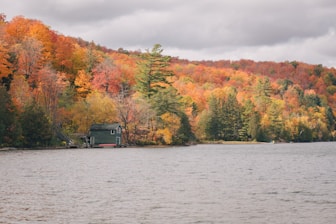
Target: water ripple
{"x": 266, "y": 183}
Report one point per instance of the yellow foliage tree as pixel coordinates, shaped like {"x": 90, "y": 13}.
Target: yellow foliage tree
{"x": 318, "y": 122}
{"x": 95, "y": 108}
{"x": 165, "y": 135}
{"x": 224, "y": 92}
{"x": 272, "y": 121}
{"x": 169, "y": 127}
{"x": 83, "y": 83}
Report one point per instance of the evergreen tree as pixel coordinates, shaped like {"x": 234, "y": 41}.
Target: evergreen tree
{"x": 153, "y": 83}
{"x": 166, "y": 100}
{"x": 184, "y": 133}
{"x": 305, "y": 134}
{"x": 263, "y": 93}
{"x": 330, "y": 119}
{"x": 250, "y": 122}
{"x": 311, "y": 100}
{"x": 214, "y": 124}
{"x": 231, "y": 118}
{"x": 254, "y": 129}
{"x": 224, "y": 121}
{"x": 36, "y": 128}
{"x": 276, "y": 127}
{"x": 9, "y": 126}
{"x": 153, "y": 72}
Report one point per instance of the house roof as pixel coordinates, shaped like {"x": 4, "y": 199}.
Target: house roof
{"x": 104, "y": 126}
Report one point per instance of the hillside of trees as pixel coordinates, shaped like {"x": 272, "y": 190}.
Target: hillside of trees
{"x": 51, "y": 83}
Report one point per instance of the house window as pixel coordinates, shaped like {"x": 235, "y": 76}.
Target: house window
{"x": 119, "y": 130}
{"x": 112, "y": 132}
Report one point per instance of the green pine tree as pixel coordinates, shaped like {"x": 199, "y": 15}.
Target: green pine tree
{"x": 36, "y": 128}
{"x": 153, "y": 72}
{"x": 184, "y": 133}
{"x": 214, "y": 126}
{"x": 9, "y": 125}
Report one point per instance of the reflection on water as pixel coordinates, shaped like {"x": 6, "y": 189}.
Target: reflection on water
{"x": 262, "y": 183}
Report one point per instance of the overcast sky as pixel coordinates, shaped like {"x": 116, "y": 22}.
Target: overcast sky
{"x": 261, "y": 30}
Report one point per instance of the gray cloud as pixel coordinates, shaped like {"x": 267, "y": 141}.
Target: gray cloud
{"x": 279, "y": 30}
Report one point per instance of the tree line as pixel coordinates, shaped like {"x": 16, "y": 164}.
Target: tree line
{"x": 51, "y": 83}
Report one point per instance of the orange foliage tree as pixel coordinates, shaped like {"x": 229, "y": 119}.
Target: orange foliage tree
{"x": 20, "y": 92}
{"x": 106, "y": 77}
{"x": 5, "y": 65}
{"x": 29, "y": 59}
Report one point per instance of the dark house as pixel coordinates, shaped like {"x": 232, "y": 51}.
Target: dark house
{"x": 105, "y": 135}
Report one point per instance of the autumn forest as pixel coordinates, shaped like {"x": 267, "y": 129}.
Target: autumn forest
{"x": 51, "y": 84}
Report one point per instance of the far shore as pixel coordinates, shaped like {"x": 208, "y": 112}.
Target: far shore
{"x": 154, "y": 146}
{"x": 231, "y": 142}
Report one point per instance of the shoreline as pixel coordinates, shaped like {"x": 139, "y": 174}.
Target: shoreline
{"x": 232, "y": 142}
{"x": 4, "y": 149}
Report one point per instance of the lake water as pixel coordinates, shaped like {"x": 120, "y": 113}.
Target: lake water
{"x": 257, "y": 183}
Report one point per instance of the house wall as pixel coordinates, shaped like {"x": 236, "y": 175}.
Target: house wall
{"x": 103, "y": 137}
{"x": 103, "y": 134}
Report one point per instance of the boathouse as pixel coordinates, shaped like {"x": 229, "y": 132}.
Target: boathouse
{"x": 105, "y": 135}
